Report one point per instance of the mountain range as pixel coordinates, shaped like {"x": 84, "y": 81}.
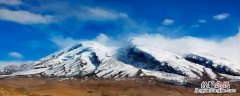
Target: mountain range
{"x": 91, "y": 58}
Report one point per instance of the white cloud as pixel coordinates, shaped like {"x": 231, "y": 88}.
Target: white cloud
{"x": 11, "y": 2}
{"x": 96, "y": 13}
{"x": 168, "y": 21}
{"x": 63, "y": 42}
{"x": 16, "y": 55}
{"x": 102, "y": 38}
{"x": 195, "y": 26}
{"x": 81, "y": 12}
{"x": 24, "y": 17}
{"x": 202, "y": 21}
{"x": 227, "y": 48}
{"x": 221, "y": 16}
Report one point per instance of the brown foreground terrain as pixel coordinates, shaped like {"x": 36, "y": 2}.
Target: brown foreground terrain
{"x": 95, "y": 87}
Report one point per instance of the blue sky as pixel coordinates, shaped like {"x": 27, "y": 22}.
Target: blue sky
{"x": 31, "y": 29}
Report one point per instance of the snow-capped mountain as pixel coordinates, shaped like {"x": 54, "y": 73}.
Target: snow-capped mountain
{"x": 90, "y": 58}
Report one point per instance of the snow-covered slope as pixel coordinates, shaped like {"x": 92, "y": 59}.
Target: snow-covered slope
{"x": 113, "y": 68}
{"x": 90, "y": 58}
{"x": 219, "y": 65}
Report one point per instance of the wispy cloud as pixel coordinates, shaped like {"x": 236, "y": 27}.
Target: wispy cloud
{"x": 195, "y": 26}
{"x": 221, "y": 16}
{"x": 63, "y": 42}
{"x": 24, "y": 17}
{"x": 199, "y": 22}
{"x": 97, "y": 13}
{"x": 16, "y": 55}
{"x": 11, "y": 2}
{"x": 81, "y": 12}
{"x": 102, "y": 38}
{"x": 202, "y": 21}
{"x": 85, "y": 13}
{"x": 168, "y": 22}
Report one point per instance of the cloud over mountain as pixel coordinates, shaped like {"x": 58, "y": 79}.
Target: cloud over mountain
{"x": 226, "y": 48}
